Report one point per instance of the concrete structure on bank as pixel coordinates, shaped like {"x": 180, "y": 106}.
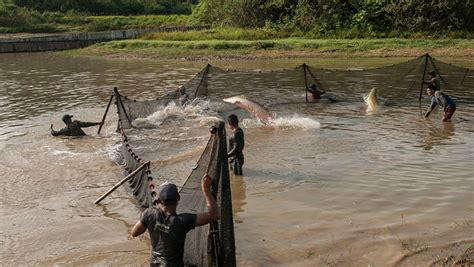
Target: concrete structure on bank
{"x": 67, "y": 41}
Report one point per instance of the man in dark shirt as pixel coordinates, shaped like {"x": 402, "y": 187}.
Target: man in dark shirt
{"x": 315, "y": 92}
{"x": 434, "y": 80}
{"x": 73, "y": 128}
{"x": 442, "y": 99}
{"x": 236, "y": 144}
{"x": 167, "y": 229}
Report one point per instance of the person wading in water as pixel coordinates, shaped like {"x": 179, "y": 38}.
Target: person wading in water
{"x": 434, "y": 80}
{"x": 167, "y": 229}
{"x": 73, "y": 128}
{"x": 236, "y": 144}
{"x": 442, "y": 99}
{"x": 316, "y": 94}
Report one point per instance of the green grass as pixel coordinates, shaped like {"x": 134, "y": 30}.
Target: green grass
{"x": 274, "y": 48}
{"x": 293, "y": 43}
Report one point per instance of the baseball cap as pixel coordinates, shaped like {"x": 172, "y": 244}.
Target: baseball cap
{"x": 168, "y": 192}
{"x": 67, "y": 117}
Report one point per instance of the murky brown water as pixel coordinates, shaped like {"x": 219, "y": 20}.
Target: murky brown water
{"x": 357, "y": 190}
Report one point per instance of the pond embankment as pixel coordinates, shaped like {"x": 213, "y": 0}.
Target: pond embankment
{"x": 66, "y": 41}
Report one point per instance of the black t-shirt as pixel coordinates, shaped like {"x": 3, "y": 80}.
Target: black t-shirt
{"x": 168, "y": 234}
{"x": 74, "y": 129}
{"x": 236, "y": 144}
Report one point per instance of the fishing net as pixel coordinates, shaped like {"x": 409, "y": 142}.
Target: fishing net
{"x": 394, "y": 82}
{"x": 214, "y": 243}
{"x": 209, "y": 245}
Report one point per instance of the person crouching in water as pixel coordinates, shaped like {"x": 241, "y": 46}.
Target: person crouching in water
{"x": 316, "y": 94}
{"x": 236, "y": 145}
{"x": 168, "y": 229}
{"x": 73, "y": 128}
{"x": 442, "y": 99}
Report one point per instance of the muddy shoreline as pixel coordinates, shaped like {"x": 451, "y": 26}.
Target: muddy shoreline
{"x": 213, "y": 55}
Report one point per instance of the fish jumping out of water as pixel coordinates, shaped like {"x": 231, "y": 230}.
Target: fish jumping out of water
{"x": 371, "y": 101}
{"x": 256, "y": 109}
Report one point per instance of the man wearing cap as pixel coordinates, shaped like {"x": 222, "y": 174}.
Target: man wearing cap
{"x": 434, "y": 80}
{"x": 167, "y": 229}
{"x": 442, "y": 99}
{"x": 315, "y": 92}
{"x": 73, "y": 128}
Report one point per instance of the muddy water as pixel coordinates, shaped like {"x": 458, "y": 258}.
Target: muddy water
{"x": 328, "y": 185}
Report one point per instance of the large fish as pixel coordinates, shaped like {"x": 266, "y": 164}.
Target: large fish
{"x": 256, "y": 109}
{"x": 371, "y": 101}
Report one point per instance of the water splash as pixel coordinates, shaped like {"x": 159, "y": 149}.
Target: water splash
{"x": 296, "y": 121}
{"x": 292, "y": 122}
{"x": 372, "y": 102}
{"x": 198, "y": 111}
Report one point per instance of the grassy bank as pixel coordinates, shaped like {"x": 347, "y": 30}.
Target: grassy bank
{"x": 196, "y": 46}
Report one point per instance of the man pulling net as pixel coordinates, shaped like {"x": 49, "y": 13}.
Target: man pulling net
{"x": 73, "y": 128}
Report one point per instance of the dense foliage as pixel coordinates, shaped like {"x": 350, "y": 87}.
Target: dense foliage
{"x": 22, "y": 19}
{"x": 111, "y": 7}
{"x": 353, "y": 18}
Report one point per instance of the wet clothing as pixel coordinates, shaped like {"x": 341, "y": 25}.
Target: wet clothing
{"x": 167, "y": 234}
{"x": 236, "y": 165}
{"x": 445, "y": 102}
{"x": 448, "y": 113}
{"x": 236, "y": 146}
{"x": 74, "y": 128}
{"x": 316, "y": 93}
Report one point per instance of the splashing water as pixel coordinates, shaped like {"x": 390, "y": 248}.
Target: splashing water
{"x": 372, "y": 102}
{"x": 198, "y": 111}
{"x": 296, "y": 121}
{"x": 293, "y": 122}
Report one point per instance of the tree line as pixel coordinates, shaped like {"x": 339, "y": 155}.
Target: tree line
{"x": 316, "y": 18}
{"x": 111, "y": 7}
{"x": 323, "y": 17}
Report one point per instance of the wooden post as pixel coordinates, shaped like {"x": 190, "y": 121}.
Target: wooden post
{"x": 123, "y": 181}
{"x": 305, "y": 82}
{"x": 438, "y": 73}
{"x": 119, "y": 98}
{"x": 423, "y": 79}
{"x": 105, "y": 114}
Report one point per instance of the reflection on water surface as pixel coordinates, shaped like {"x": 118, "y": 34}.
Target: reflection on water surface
{"x": 381, "y": 189}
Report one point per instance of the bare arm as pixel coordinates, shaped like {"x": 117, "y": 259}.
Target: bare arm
{"x": 212, "y": 213}
{"x": 138, "y": 229}
{"x": 63, "y": 131}
{"x": 430, "y": 109}
{"x": 88, "y": 124}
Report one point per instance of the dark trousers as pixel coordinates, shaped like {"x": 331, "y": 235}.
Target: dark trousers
{"x": 448, "y": 113}
{"x": 236, "y": 164}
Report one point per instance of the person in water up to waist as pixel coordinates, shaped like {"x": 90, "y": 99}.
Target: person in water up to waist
{"x": 442, "y": 99}
{"x": 168, "y": 229}
{"x": 315, "y": 92}
{"x": 73, "y": 128}
{"x": 434, "y": 80}
{"x": 236, "y": 144}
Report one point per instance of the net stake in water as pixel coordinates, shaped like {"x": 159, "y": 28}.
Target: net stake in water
{"x": 106, "y": 110}
{"x": 146, "y": 164}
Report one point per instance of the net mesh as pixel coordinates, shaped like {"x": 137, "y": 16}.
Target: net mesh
{"x": 209, "y": 245}
{"x": 214, "y": 244}
{"x": 394, "y": 82}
